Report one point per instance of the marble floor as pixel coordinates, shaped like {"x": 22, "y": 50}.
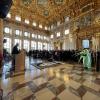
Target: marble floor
{"x": 63, "y": 82}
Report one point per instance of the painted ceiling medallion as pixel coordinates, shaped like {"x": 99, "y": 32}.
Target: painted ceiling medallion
{"x": 42, "y": 2}
{"x": 58, "y": 2}
{"x": 27, "y": 2}
{"x": 46, "y": 13}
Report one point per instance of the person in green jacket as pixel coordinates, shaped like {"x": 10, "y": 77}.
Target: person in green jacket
{"x": 85, "y": 56}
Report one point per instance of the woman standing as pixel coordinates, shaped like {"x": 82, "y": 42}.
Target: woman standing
{"x": 85, "y": 56}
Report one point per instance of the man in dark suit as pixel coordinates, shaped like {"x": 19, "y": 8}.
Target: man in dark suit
{"x": 15, "y": 51}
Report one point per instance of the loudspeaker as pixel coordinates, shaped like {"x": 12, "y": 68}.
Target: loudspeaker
{"x": 5, "y": 6}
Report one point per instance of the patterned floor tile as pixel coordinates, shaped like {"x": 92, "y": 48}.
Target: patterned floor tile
{"x": 22, "y": 93}
{"x": 41, "y": 84}
{"x": 39, "y": 81}
{"x": 81, "y": 91}
{"x": 97, "y": 81}
{"x": 90, "y": 96}
{"x": 45, "y": 94}
{"x": 73, "y": 84}
{"x": 76, "y": 77}
{"x": 33, "y": 87}
{"x": 67, "y": 95}
{"x": 92, "y": 85}
{"x": 56, "y": 86}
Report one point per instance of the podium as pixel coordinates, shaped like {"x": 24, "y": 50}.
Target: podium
{"x": 20, "y": 61}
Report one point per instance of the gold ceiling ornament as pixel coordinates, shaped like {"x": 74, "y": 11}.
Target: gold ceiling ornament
{"x": 42, "y": 2}
{"x": 48, "y": 11}
{"x": 97, "y": 18}
{"x": 27, "y": 2}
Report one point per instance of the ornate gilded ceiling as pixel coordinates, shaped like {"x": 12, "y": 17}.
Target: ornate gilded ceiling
{"x": 47, "y": 12}
{"x": 43, "y": 11}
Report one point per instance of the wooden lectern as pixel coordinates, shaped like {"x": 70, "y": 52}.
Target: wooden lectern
{"x": 20, "y": 61}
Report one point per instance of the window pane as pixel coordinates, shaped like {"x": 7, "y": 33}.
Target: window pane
{"x": 26, "y": 45}
{"x": 39, "y": 46}
{"x": 33, "y": 35}
{"x": 46, "y": 28}
{"x": 39, "y": 36}
{"x": 18, "y": 32}
{"x": 18, "y": 18}
{"x": 44, "y": 37}
{"x": 26, "y": 34}
{"x": 7, "y": 45}
{"x": 34, "y": 23}
{"x": 27, "y": 21}
{"x": 40, "y": 26}
{"x": 66, "y": 31}
{"x": 45, "y": 46}
{"x": 58, "y": 34}
{"x": 52, "y": 36}
{"x": 33, "y": 45}
{"x": 7, "y": 30}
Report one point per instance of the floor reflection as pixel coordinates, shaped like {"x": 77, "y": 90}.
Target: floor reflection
{"x": 54, "y": 81}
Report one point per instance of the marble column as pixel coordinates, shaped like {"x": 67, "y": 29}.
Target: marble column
{"x": 1, "y": 35}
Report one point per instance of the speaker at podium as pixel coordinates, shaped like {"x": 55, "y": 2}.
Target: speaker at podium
{"x": 20, "y": 61}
